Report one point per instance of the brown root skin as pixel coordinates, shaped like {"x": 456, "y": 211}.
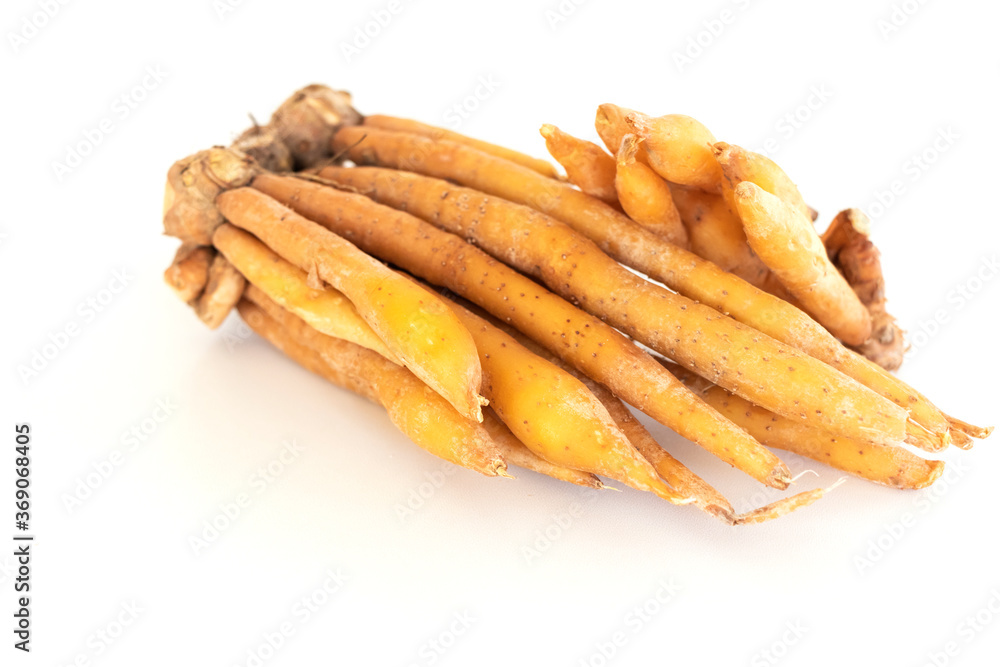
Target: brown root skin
{"x": 193, "y": 183}
{"x": 851, "y": 250}
{"x": 262, "y": 143}
{"x": 222, "y": 293}
{"x": 187, "y": 275}
{"x": 307, "y": 121}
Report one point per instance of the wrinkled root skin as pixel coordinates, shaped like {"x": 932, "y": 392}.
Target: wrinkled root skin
{"x": 193, "y": 183}
{"x": 307, "y": 121}
{"x": 851, "y": 250}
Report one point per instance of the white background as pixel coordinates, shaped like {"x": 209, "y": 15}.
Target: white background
{"x": 885, "y": 99}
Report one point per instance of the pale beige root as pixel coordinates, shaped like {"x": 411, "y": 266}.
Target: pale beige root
{"x": 679, "y": 149}
{"x": 262, "y": 143}
{"x": 516, "y": 453}
{"x": 187, "y": 275}
{"x": 739, "y": 165}
{"x": 189, "y": 210}
{"x": 554, "y": 414}
{"x": 439, "y": 133}
{"x": 780, "y": 508}
{"x": 580, "y": 339}
{"x": 587, "y": 166}
{"x": 322, "y": 307}
{"x": 221, "y": 294}
{"x": 850, "y": 249}
{"x": 611, "y": 127}
{"x": 414, "y": 408}
{"x": 415, "y": 324}
{"x": 787, "y": 243}
{"x": 307, "y": 120}
{"x": 805, "y": 389}
{"x": 644, "y": 196}
{"x": 886, "y": 465}
{"x": 716, "y": 234}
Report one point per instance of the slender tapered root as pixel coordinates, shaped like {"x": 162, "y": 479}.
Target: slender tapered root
{"x": 784, "y": 506}
{"x": 187, "y": 275}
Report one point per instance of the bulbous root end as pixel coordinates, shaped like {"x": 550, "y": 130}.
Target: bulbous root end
{"x": 262, "y": 143}
{"x": 307, "y": 121}
{"x": 193, "y": 183}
